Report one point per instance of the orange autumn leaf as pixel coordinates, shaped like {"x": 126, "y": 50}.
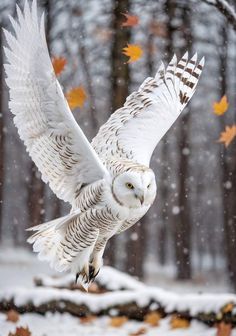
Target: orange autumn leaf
{"x": 76, "y": 97}
{"x": 12, "y": 316}
{"x": 228, "y": 308}
{"x": 228, "y": 135}
{"x": 139, "y": 332}
{"x": 152, "y": 318}
{"x": 58, "y": 64}
{"x": 179, "y": 322}
{"x": 133, "y": 51}
{"x": 118, "y": 321}
{"x": 221, "y": 107}
{"x": 87, "y": 319}
{"x": 224, "y": 329}
{"x": 131, "y": 20}
{"x": 20, "y": 331}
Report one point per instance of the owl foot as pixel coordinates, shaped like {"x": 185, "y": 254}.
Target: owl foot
{"x": 93, "y": 272}
{"x": 83, "y": 275}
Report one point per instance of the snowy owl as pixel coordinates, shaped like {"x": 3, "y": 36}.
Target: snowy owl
{"x": 108, "y": 183}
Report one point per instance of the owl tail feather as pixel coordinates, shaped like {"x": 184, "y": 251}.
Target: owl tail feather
{"x": 47, "y": 239}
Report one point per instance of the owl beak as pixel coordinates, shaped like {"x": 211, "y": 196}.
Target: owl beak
{"x": 140, "y": 196}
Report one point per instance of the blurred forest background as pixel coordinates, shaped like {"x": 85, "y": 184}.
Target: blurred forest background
{"x": 192, "y": 225}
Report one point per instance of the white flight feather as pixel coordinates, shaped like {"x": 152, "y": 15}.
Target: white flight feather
{"x": 42, "y": 115}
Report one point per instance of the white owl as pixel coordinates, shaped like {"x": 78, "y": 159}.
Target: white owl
{"x": 108, "y": 183}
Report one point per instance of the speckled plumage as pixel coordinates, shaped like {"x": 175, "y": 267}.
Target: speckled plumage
{"x": 108, "y": 183}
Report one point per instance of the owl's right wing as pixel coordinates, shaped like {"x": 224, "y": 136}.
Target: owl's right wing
{"x": 45, "y": 123}
{"x": 133, "y": 131}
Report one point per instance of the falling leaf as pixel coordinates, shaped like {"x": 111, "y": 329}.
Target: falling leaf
{"x": 139, "y": 332}
{"x": 134, "y": 51}
{"x": 221, "y": 107}
{"x": 228, "y": 135}
{"x": 58, "y": 64}
{"x": 178, "y": 322}
{"x": 12, "y": 316}
{"x": 224, "y": 329}
{"x": 20, "y": 331}
{"x": 131, "y": 20}
{"x": 76, "y": 97}
{"x": 152, "y": 318}
{"x": 118, "y": 321}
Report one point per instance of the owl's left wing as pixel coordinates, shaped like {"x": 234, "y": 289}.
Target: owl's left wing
{"x": 133, "y": 131}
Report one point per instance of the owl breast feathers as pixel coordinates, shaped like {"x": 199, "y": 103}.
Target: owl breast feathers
{"x": 108, "y": 183}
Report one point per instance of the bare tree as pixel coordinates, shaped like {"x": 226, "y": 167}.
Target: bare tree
{"x": 2, "y": 137}
{"x": 225, "y": 9}
{"x": 120, "y": 76}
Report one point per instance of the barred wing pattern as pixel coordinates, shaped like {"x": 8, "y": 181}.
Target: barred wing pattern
{"x": 45, "y": 123}
{"x": 133, "y": 131}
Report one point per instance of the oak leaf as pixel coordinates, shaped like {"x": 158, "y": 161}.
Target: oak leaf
{"x": 224, "y": 329}
{"x": 21, "y": 331}
{"x": 118, "y": 321}
{"x": 12, "y": 316}
{"x": 133, "y": 51}
{"x": 178, "y": 322}
{"x": 221, "y": 107}
{"x": 58, "y": 64}
{"x": 76, "y": 97}
{"x": 152, "y": 318}
{"x": 131, "y": 20}
{"x": 228, "y": 135}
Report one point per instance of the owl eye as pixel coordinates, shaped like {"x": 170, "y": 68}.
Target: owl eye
{"x": 149, "y": 185}
{"x": 129, "y": 185}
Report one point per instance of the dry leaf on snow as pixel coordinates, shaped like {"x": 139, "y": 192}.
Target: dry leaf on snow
{"x": 228, "y": 308}
{"x": 131, "y": 20}
{"x": 87, "y": 319}
{"x": 177, "y": 322}
{"x": 224, "y": 329}
{"x": 76, "y": 97}
{"x": 133, "y": 51}
{"x": 228, "y": 135}
{"x": 139, "y": 332}
{"x": 118, "y": 321}
{"x": 12, "y": 316}
{"x": 21, "y": 331}
{"x": 58, "y": 64}
{"x": 153, "y": 318}
{"x": 221, "y": 107}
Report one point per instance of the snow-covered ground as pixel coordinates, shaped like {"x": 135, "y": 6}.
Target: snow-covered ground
{"x": 66, "y": 325}
{"x": 19, "y": 267}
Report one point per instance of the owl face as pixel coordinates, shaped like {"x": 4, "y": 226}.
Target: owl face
{"x": 135, "y": 189}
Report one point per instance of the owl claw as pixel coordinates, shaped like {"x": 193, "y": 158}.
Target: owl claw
{"x": 92, "y": 274}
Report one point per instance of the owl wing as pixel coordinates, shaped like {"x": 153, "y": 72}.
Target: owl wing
{"x": 45, "y": 123}
{"x": 133, "y": 131}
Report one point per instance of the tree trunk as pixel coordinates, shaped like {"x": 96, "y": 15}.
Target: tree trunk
{"x": 120, "y": 77}
{"x": 1, "y": 135}
{"x": 183, "y": 219}
{"x": 228, "y": 163}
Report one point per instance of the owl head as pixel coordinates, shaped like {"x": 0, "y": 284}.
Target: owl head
{"x": 135, "y": 188}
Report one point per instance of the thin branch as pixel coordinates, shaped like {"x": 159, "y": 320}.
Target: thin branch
{"x": 226, "y": 9}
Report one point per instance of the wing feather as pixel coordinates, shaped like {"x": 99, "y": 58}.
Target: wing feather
{"x": 45, "y": 123}
{"x": 133, "y": 131}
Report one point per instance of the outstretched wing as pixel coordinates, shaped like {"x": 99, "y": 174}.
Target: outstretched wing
{"x": 45, "y": 123}
{"x": 133, "y": 131}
